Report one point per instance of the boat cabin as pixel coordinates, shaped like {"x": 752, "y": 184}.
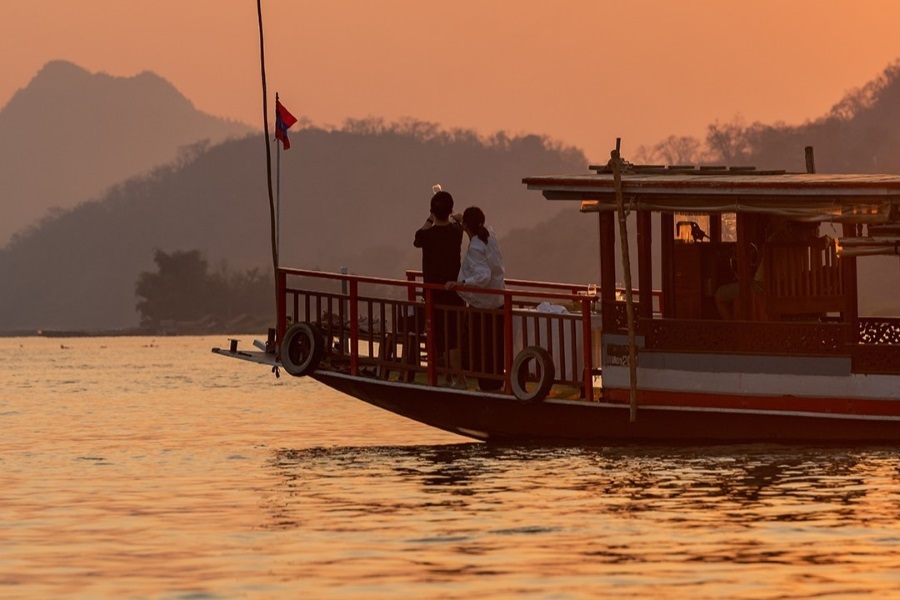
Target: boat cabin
{"x": 756, "y": 231}
{"x": 747, "y": 247}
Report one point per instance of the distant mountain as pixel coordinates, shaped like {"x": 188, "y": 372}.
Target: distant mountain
{"x": 352, "y": 197}
{"x": 69, "y": 134}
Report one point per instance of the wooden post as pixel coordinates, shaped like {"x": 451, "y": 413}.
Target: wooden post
{"x": 745, "y": 272}
{"x": 810, "y": 160}
{"x": 626, "y": 267}
{"x": 715, "y": 228}
{"x": 645, "y": 264}
{"x": 666, "y": 252}
{"x": 411, "y": 289}
{"x": 849, "y": 283}
{"x": 607, "y": 269}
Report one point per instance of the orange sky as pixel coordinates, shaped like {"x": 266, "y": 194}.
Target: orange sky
{"x": 580, "y": 71}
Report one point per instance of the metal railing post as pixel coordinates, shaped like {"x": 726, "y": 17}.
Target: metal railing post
{"x": 587, "y": 349}
{"x": 430, "y": 352}
{"x": 507, "y": 342}
{"x": 354, "y": 328}
{"x": 280, "y": 308}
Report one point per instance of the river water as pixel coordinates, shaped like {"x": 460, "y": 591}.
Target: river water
{"x": 152, "y": 468}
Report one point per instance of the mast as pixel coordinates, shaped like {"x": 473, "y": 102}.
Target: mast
{"x": 265, "y": 105}
{"x": 277, "y": 191}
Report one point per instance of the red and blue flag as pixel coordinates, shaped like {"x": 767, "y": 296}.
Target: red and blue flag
{"x": 283, "y": 121}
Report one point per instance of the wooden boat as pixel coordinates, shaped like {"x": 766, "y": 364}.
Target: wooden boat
{"x": 792, "y": 362}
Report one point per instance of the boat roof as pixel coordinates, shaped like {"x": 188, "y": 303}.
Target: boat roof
{"x": 679, "y": 188}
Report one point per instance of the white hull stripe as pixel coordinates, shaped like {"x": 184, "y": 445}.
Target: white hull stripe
{"x": 736, "y": 384}
{"x": 736, "y": 363}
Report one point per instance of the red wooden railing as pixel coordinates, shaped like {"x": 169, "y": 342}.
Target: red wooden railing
{"x": 338, "y": 313}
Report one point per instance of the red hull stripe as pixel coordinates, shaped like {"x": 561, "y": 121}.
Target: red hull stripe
{"x": 770, "y": 404}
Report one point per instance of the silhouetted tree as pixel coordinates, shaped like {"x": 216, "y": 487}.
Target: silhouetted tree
{"x": 181, "y": 290}
{"x": 674, "y": 150}
{"x": 184, "y": 289}
{"x": 728, "y": 143}
{"x": 243, "y": 293}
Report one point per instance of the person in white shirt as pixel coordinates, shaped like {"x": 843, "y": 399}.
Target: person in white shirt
{"x": 482, "y": 267}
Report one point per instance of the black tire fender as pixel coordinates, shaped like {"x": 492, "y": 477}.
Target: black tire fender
{"x": 546, "y": 373}
{"x": 302, "y": 349}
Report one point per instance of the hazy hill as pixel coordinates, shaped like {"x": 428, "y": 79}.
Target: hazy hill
{"x": 861, "y": 133}
{"x": 351, "y": 197}
{"x": 69, "y": 134}
{"x": 355, "y": 196}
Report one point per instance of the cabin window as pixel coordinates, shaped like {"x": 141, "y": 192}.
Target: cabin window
{"x": 729, "y": 227}
{"x": 691, "y": 228}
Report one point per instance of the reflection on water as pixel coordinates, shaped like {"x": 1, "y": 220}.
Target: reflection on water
{"x": 745, "y": 477}
{"x": 130, "y": 470}
{"x": 721, "y": 522}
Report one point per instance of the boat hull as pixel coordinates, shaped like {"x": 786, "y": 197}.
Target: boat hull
{"x": 504, "y": 419}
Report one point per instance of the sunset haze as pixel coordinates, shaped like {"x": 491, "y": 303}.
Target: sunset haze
{"x": 582, "y": 72}
{"x": 237, "y": 367}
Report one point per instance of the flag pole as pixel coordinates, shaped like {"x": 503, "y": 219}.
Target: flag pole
{"x": 265, "y": 105}
{"x": 277, "y": 193}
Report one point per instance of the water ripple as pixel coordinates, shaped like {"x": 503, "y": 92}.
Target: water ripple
{"x": 219, "y": 481}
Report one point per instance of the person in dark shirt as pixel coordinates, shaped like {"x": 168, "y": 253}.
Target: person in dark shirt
{"x": 440, "y": 239}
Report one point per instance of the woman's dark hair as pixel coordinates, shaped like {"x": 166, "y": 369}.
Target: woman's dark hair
{"x": 442, "y": 205}
{"x": 473, "y": 219}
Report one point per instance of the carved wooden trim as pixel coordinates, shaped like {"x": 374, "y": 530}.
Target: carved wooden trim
{"x": 743, "y": 337}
